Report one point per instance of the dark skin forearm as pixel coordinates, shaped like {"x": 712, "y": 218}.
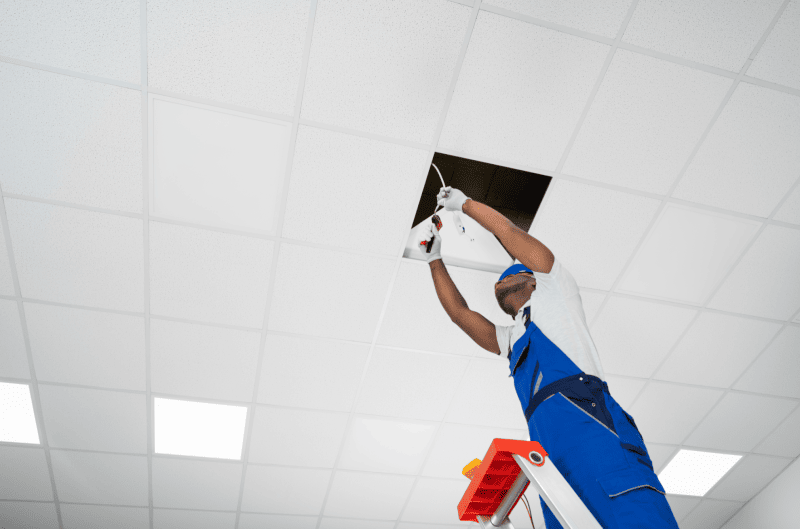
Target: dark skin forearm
{"x": 448, "y": 293}
{"x": 530, "y": 251}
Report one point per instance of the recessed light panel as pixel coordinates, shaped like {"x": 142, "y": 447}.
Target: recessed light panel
{"x": 216, "y": 167}
{"x": 693, "y": 473}
{"x": 199, "y": 429}
{"x": 17, "y": 421}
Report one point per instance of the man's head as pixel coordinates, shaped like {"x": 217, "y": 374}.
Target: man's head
{"x": 514, "y": 288}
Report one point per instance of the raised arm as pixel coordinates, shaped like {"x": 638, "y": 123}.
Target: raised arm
{"x": 522, "y": 246}
{"x": 481, "y": 330}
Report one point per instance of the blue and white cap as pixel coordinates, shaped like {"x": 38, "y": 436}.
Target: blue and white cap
{"x": 514, "y": 269}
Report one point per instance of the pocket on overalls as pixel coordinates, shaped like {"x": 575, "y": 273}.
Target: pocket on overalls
{"x": 637, "y": 499}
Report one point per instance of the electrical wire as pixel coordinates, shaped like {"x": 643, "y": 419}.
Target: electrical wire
{"x": 443, "y": 185}
{"x": 527, "y": 506}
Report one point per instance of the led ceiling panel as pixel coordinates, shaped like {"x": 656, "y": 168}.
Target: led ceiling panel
{"x": 199, "y": 429}
{"x": 693, "y": 473}
{"x": 17, "y": 421}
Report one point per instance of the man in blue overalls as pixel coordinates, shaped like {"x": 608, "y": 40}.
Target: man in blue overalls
{"x": 592, "y": 441}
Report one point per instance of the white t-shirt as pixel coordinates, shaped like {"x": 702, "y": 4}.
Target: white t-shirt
{"x": 557, "y": 310}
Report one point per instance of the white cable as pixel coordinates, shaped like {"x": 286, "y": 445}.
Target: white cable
{"x": 443, "y": 185}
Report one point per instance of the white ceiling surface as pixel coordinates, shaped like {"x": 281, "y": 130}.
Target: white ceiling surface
{"x": 671, "y": 132}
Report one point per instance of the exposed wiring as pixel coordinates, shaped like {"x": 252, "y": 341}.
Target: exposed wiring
{"x": 527, "y": 506}
{"x": 443, "y": 185}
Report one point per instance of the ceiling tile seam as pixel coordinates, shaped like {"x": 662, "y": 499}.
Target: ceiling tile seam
{"x": 743, "y": 504}
{"x": 298, "y": 105}
{"x": 772, "y": 86}
{"x": 624, "y": 295}
{"x": 553, "y": 174}
{"x": 664, "y": 202}
{"x": 69, "y": 73}
{"x": 145, "y": 212}
{"x": 492, "y": 9}
{"x": 731, "y": 268}
{"x": 234, "y": 402}
{"x": 399, "y": 259}
{"x": 33, "y": 383}
{"x": 600, "y": 78}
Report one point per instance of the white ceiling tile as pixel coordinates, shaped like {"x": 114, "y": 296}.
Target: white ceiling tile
{"x": 28, "y": 468}
{"x": 362, "y": 495}
{"x": 208, "y": 276}
{"x": 520, "y": 91}
{"x": 296, "y": 437}
{"x": 778, "y": 60}
{"x": 96, "y": 38}
{"x": 416, "y": 319}
{"x": 710, "y": 514}
{"x": 749, "y": 159}
{"x": 667, "y": 413}
{"x": 633, "y": 336}
{"x": 764, "y": 283}
{"x": 718, "y": 33}
{"x": 13, "y": 356}
{"x": 748, "y": 477}
{"x": 383, "y": 67}
{"x": 283, "y": 490}
{"x": 349, "y": 523}
{"x": 326, "y": 293}
{"x": 435, "y": 500}
{"x": 100, "y": 517}
{"x": 686, "y": 254}
{"x": 783, "y": 440}
{"x": 788, "y": 212}
{"x": 80, "y": 257}
{"x": 410, "y": 385}
{"x": 660, "y": 455}
{"x": 486, "y": 397}
{"x": 740, "y": 422}
{"x": 591, "y": 302}
{"x": 775, "y": 370}
{"x": 462, "y": 525}
{"x": 333, "y": 188}
{"x": 457, "y": 445}
{"x": 243, "y": 53}
{"x": 386, "y": 445}
{"x": 624, "y": 390}
{"x": 645, "y": 120}
{"x": 203, "y": 361}
{"x": 601, "y": 18}
{"x": 86, "y": 347}
{"x": 90, "y": 419}
{"x": 70, "y": 139}
{"x": 179, "y": 519}
{"x": 306, "y": 372}
{"x": 681, "y": 505}
{"x": 716, "y": 349}
{"x": 611, "y": 225}
{"x": 217, "y": 167}
{"x": 28, "y": 515}
{"x": 196, "y": 484}
{"x": 113, "y": 479}
{"x": 284, "y": 521}
{"x": 6, "y": 281}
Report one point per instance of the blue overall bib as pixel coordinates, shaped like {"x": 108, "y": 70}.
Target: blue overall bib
{"x": 592, "y": 441}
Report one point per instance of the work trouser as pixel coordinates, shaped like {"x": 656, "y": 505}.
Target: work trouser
{"x": 590, "y": 439}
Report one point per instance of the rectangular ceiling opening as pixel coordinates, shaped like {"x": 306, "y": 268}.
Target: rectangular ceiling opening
{"x": 514, "y": 193}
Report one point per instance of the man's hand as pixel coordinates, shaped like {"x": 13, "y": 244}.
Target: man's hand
{"x": 451, "y": 199}
{"x": 425, "y": 235}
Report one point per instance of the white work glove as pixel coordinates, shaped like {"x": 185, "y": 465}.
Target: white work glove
{"x": 425, "y": 235}
{"x": 451, "y": 199}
